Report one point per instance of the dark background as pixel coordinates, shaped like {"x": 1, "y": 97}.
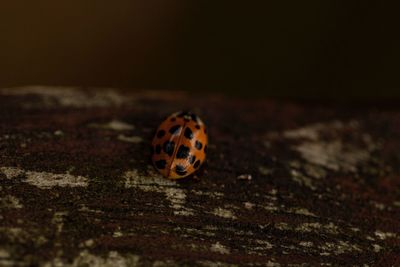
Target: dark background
{"x": 289, "y": 48}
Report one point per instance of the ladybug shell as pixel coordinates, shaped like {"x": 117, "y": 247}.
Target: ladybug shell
{"x": 179, "y": 145}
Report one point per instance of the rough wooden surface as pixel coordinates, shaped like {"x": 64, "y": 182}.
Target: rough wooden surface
{"x": 77, "y": 187}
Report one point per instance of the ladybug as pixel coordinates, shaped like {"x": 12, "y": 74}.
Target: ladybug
{"x": 179, "y": 146}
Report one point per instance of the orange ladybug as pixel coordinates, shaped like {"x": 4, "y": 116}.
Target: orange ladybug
{"x": 179, "y": 146}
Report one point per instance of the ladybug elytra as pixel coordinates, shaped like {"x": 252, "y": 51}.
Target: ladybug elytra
{"x": 179, "y": 145}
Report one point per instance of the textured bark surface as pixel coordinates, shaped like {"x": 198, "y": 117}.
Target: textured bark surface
{"x": 285, "y": 183}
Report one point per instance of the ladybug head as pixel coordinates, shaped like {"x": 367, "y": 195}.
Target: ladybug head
{"x": 187, "y": 115}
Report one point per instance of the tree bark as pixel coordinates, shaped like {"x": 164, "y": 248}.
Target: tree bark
{"x": 285, "y": 182}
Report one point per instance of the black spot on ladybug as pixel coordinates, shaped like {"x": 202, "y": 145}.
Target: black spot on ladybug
{"x": 205, "y": 149}
{"x": 205, "y": 130}
{"x": 180, "y": 169}
{"x": 169, "y": 147}
{"x": 196, "y": 164}
{"x": 175, "y": 129}
{"x": 194, "y": 117}
{"x": 160, "y": 164}
{"x": 183, "y": 152}
{"x": 160, "y": 133}
{"x": 173, "y": 119}
{"x": 192, "y": 159}
{"x": 188, "y": 133}
{"x": 197, "y": 127}
{"x": 198, "y": 145}
{"x": 158, "y": 149}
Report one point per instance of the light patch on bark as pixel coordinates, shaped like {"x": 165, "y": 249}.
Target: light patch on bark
{"x": 177, "y": 197}
{"x": 17, "y": 235}
{"x": 11, "y": 172}
{"x": 244, "y": 177}
{"x": 377, "y": 248}
{"x": 164, "y": 263}
{"x": 68, "y": 97}
{"x": 384, "y": 235}
{"x": 301, "y": 179}
{"x": 84, "y": 208}
{"x": 377, "y": 205}
{"x": 265, "y": 243}
{"x": 10, "y": 202}
{"x": 312, "y": 131}
{"x": 273, "y": 192}
{"x": 224, "y": 213}
{"x": 153, "y": 182}
{"x": 87, "y": 243}
{"x": 239, "y": 232}
{"x": 314, "y": 171}
{"x": 301, "y": 211}
{"x": 117, "y": 234}
{"x": 334, "y": 154}
{"x": 315, "y": 227}
{"x": 213, "y": 194}
{"x": 338, "y": 248}
{"x": 265, "y": 171}
{"x": 368, "y": 237}
{"x": 320, "y": 153}
{"x": 45, "y": 180}
{"x": 270, "y": 200}
{"x": 248, "y": 205}
{"x": 4, "y": 253}
{"x": 206, "y": 263}
{"x": 58, "y": 133}
{"x": 58, "y": 221}
{"x": 309, "y": 132}
{"x": 184, "y": 212}
{"x": 14, "y": 234}
{"x": 282, "y": 226}
{"x": 85, "y": 258}
{"x": 114, "y": 125}
{"x": 307, "y": 244}
{"x": 211, "y": 228}
{"x": 6, "y": 259}
{"x": 270, "y": 207}
{"x": 203, "y": 232}
{"x": 130, "y": 139}
{"x": 329, "y": 228}
{"x": 219, "y": 248}
{"x": 272, "y": 264}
